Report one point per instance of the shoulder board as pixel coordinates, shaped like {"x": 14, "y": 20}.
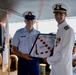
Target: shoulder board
{"x": 66, "y": 27}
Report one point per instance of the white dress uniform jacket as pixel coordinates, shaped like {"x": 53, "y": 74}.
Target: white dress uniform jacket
{"x": 61, "y": 60}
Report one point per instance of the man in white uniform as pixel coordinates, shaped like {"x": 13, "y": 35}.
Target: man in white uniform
{"x": 61, "y": 60}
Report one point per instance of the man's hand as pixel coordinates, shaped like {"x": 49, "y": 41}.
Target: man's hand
{"x": 26, "y": 56}
{"x": 74, "y": 62}
{"x": 45, "y": 60}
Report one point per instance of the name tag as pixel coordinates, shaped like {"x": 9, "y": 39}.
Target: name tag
{"x": 23, "y": 36}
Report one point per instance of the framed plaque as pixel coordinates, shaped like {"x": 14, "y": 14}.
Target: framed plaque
{"x": 43, "y": 45}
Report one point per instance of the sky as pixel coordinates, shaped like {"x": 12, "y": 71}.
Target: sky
{"x": 44, "y": 26}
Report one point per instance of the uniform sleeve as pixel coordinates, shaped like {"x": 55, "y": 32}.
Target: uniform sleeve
{"x": 15, "y": 40}
{"x": 68, "y": 43}
{"x": 54, "y": 59}
{"x": 67, "y": 46}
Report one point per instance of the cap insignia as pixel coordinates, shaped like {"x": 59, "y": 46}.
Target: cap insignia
{"x": 58, "y": 6}
{"x": 29, "y": 13}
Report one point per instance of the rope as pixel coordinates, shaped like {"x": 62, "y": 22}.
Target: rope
{"x": 40, "y": 12}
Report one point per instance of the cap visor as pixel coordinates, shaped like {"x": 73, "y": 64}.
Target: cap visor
{"x": 60, "y": 11}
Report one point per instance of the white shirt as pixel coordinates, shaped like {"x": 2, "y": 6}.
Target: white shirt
{"x": 24, "y": 40}
{"x": 61, "y": 60}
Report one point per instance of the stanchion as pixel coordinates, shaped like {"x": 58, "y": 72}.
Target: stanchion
{"x": 43, "y": 69}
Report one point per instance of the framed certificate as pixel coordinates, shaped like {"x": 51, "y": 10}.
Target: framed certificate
{"x": 43, "y": 45}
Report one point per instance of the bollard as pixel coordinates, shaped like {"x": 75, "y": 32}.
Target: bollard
{"x": 43, "y": 69}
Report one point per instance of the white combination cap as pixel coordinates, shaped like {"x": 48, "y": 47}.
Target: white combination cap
{"x": 29, "y": 15}
{"x": 59, "y": 7}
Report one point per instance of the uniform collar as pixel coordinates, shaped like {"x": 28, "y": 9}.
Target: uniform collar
{"x": 25, "y": 30}
{"x": 62, "y": 25}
